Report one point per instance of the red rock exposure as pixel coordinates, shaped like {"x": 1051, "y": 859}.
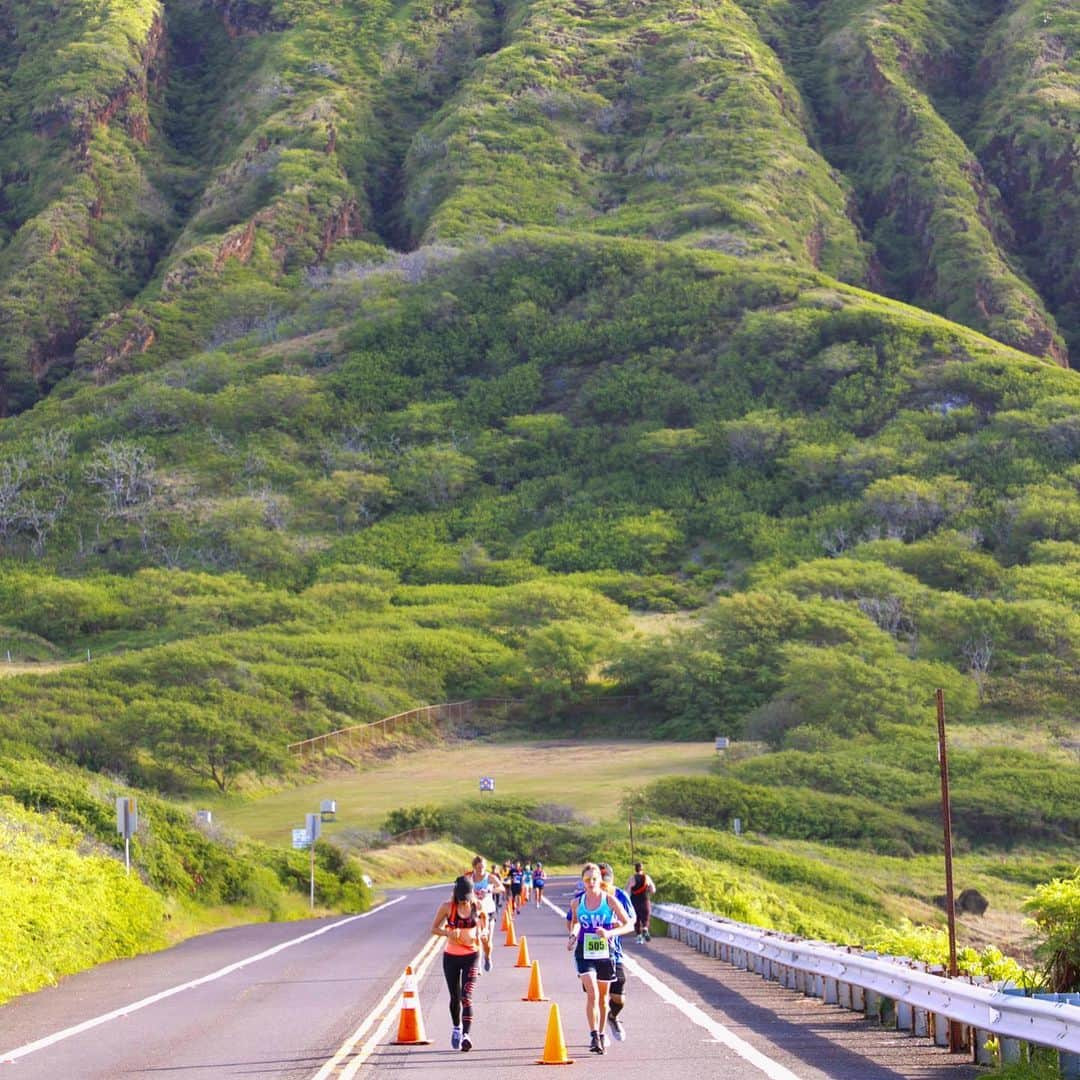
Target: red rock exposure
{"x": 138, "y": 337}
{"x": 238, "y": 244}
{"x": 343, "y": 225}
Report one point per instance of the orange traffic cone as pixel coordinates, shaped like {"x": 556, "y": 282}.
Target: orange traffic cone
{"x": 410, "y": 1030}
{"x": 511, "y": 936}
{"x": 506, "y": 918}
{"x": 536, "y": 987}
{"x": 523, "y": 954}
{"x": 555, "y": 1044}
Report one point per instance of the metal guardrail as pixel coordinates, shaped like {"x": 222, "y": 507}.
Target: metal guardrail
{"x": 923, "y": 1000}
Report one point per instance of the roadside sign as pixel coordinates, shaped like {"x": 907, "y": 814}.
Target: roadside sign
{"x": 328, "y": 809}
{"x": 314, "y": 826}
{"x": 487, "y": 783}
{"x": 127, "y": 816}
{"x": 300, "y": 839}
{"x": 722, "y": 742}
{"x": 204, "y": 817}
{"x": 127, "y": 822}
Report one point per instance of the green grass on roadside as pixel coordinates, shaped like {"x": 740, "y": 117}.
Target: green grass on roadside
{"x": 590, "y": 778}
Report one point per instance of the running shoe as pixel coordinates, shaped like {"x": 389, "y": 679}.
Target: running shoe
{"x": 601, "y": 1044}
{"x": 487, "y": 961}
{"x": 455, "y": 1038}
{"x": 618, "y": 1032}
{"x": 466, "y": 1044}
{"x": 594, "y": 1043}
{"x": 648, "y": 936}
{"x": 641, "y": 939}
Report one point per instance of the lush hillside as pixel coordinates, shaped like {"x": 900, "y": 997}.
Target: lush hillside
{"x": 361, "y": 355}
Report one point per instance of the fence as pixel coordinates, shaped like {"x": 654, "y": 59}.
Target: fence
{"x": 912, "y": 996}
{"x": 452, "y": 712}
{"x": 447, "y": 713}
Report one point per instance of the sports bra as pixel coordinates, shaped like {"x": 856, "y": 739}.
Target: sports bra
{"x": 456, "y": 922}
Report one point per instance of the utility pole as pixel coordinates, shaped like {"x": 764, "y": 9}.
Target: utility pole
{"x": 956, "y": 1037}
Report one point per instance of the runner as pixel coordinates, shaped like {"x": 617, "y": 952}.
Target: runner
{"x": 617, "y": 994}
{"x": 539, "y": 880}
{"x": 596, "y": 920}
{"x": 641, "y": 888}
{"x": 486, "y": 886}
{"x": 498, "y": 893}
{"x": 527, "y": 883}
{"x": 517, "y": 883}
{"x": 461, "y": 922}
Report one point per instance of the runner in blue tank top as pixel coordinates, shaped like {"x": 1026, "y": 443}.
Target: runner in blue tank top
{"x": 596, "y": 921}
{"x": 617, "y": 993}
{"x": 539, "y": 881}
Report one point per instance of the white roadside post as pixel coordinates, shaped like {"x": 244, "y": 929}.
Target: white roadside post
{"x": 314, "y": 829}
{"x": 127, "y": 821}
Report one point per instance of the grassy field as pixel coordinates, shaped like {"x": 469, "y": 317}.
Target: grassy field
{"x": 589, "y": 777}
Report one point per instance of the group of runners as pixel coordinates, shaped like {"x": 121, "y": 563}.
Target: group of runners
{"x": 599, "y": 914}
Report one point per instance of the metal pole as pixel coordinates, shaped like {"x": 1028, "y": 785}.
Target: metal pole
{"x": 312, "y": 897}
{"x": 955, "y": 1029}
{"x": 127, "y": 854}
{"x": 630, "y": 820}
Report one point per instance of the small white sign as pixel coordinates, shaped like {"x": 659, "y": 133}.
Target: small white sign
{"x": 487, "y": 783}
{"x": 300, "y": 839}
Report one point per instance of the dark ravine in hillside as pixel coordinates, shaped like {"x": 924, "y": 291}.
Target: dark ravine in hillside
{"x": 279, "y": 195}
{"x": 87, "y": 218}
{"x": 1028, "y": 79}
{"x": 940, "y": 229}
{"x": 417, "y": 77}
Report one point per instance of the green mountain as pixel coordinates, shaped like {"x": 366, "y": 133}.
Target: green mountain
{"x": 359, "y": 355}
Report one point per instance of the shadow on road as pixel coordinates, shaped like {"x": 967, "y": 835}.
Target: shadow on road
{"x": 838, "y": 1043}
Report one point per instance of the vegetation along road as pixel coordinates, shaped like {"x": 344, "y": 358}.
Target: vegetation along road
{"x": 321, "y": 999}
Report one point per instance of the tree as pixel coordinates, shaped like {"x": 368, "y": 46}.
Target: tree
{"x": 216, "y": 742}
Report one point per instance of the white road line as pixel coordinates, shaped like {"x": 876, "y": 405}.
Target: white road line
{"x": 420, "y": 964}
{"x": 772, "y": 1069}
{"x": 8, "y": 1056}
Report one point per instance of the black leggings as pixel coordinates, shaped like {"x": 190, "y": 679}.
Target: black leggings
{"x": 461, "y": 973}
{"x": 642, "y": 913}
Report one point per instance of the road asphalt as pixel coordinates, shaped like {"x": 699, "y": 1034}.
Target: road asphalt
{"x": 320, "y": 999}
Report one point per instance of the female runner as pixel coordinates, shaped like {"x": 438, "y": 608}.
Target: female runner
{"x": 595, "y": 919}
{"x": 462, "y": 923}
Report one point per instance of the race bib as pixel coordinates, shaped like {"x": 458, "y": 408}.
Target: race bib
{"x": 596, "y": 948}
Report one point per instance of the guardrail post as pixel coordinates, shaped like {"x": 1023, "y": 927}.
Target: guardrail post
{"x": 858, "y": 998}
{"x": 843, "y": 995}
{"x": 940, "y": 1026}
{"x": 983, "y": 1047}
{"x": 872, "y": 1006}
{"x": 832, "y": 996}
{"x": 1009, "y": 1051}
{"x": 905, "y": 1016}
{"x": 920, "y": 1022}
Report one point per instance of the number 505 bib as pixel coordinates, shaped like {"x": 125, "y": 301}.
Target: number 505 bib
{"x": 596, "y": 948}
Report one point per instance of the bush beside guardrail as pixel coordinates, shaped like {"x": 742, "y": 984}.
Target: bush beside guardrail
{"x": 909, "y": 994}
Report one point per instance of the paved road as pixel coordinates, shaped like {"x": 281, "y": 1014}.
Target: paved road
{"x": 320, "y": 999}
